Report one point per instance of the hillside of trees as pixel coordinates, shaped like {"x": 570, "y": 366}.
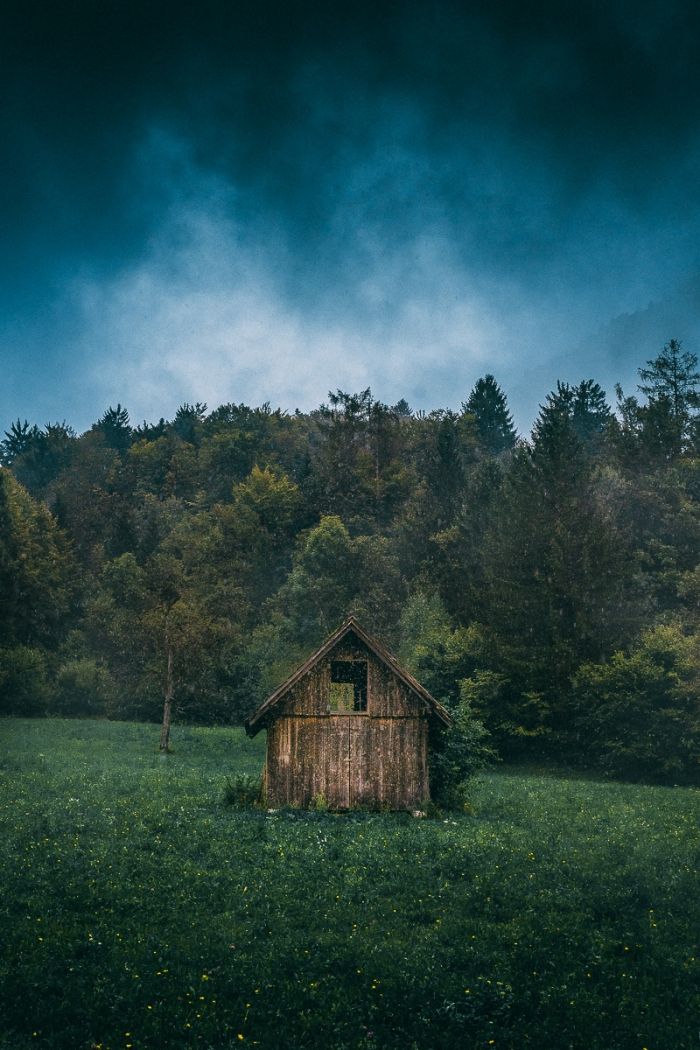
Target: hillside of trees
{"x": 552, "y": 582}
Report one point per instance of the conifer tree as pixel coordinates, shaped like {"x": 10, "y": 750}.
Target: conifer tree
{"x": 115, "y": 428}
{"x": 671, "y": 384}
{"x": 494, "y": 423}
{"x": 17, "y": 440}
{"x": 583, "y": 406}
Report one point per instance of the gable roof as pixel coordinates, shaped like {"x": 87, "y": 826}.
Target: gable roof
{"x": 254, "y": 723}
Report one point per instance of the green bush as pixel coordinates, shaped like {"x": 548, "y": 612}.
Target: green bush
{"x": 457, "y": 753}
{"x": 638, "y": 715}
{"x": 442, "y": 657}
{"x": 83, "y": 687}
{"x": 243, "y": 791}
{"x": 24, "y": 687}
{"x": 319, "y": 802}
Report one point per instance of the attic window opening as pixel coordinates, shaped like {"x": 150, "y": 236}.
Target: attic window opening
{"x": 348, "y": 686}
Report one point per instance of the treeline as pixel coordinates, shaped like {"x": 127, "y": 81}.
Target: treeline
{"x": 553, "y": 583}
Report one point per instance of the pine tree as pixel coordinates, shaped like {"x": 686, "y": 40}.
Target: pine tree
{"x": 17, "y": 440}
{"x": 673, "y": 374}
{"x": 494, "y": 423}
{"x": 590, "y": 412}
{"x": 188, "y": 421}
{"x": 671, "y": 384}
{"x": 115, "y": 428}
{"x": 558, "y": 585}
{"x": 584, "y": 407}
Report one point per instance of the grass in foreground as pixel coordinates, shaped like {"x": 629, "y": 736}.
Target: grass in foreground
{"x": 138, "y": 911}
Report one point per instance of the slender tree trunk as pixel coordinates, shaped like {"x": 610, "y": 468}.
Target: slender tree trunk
{"x": 168, "y": 694}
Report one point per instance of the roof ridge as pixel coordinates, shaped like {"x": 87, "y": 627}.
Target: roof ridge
{"x": 350, "y": 623}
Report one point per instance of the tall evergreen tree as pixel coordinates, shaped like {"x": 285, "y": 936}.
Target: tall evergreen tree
{"x": 115, "y": 428}
{"x": 673, "y": 374}
{"x": 558, "y": 576}
{"x": 671, "y": 383}
{"x": 590, "y": 412}
{"x": 42, "y": 455}
{"x": 188, "y": 422}
{"x": 17, "y": 440}
{"x": 585, "y": 408}
{"x": 494, "y": 423}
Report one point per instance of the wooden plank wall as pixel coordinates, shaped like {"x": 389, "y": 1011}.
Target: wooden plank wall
{"x": 310, "y": 696}
{"x": 375, "y": 758}
{"x": 389, "y": 762}
{"x": 351, "y": 761}
{"x": 386, "y": 694}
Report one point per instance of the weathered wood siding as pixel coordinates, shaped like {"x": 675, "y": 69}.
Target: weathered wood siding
{"x": 378, "y": 757}
{"x": 387, "y": 696}
{"x": 350, "y": 760}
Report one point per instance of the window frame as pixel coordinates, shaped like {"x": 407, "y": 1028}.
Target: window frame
{"x": 360, "y": 687}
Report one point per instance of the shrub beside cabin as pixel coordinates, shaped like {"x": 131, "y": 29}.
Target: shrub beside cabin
{"x": 349, "y": 726}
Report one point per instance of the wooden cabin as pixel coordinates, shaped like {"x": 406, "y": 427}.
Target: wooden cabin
{"x": 350, "y": 727}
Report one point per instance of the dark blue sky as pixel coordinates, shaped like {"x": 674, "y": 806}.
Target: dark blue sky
{"x": 264, "y": 201}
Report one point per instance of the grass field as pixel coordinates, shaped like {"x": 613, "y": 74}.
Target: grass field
{"x": 140, "y": 911}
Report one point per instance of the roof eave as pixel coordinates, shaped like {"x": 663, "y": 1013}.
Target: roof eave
{"x": 256, "y": 721}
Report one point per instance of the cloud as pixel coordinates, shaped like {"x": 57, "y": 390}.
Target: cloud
{"x": 263, "y": 202}
{"x": 206, "y": 316}
{"x": 227, "y": 303}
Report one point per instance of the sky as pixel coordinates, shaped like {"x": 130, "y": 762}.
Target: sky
{"x": 264, "y": 201}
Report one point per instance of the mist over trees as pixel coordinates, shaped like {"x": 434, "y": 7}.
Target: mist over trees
{"x": 550, "y": 584}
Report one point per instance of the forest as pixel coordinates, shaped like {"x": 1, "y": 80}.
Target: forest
{"x": 549, "y": 584}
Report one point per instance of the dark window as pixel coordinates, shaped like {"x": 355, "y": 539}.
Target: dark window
{"x": 348, "y": 685}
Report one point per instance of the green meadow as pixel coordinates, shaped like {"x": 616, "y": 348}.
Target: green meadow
{"x": 139, "y": 910}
